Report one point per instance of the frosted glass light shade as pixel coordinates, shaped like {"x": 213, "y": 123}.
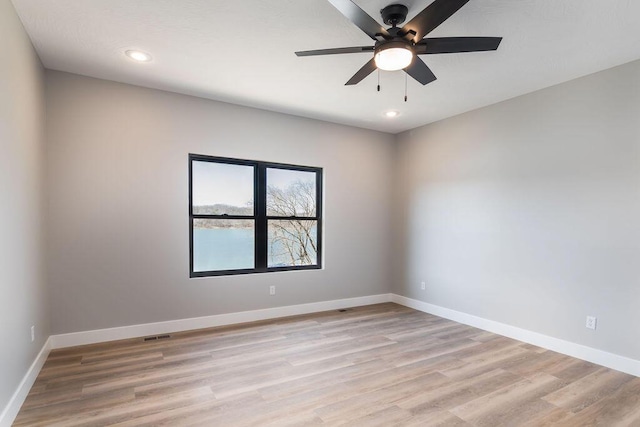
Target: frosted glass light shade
{"x": 393, "y": 58}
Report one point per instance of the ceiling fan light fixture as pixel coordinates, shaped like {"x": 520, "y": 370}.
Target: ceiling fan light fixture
{"x": 393, "y": 56}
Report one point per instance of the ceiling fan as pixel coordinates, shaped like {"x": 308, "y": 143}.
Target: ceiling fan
{"x": 397, "y": 48}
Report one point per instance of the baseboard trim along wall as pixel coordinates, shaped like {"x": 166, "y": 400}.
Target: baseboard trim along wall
{"x": 9, "y": 413}
{"x": 599, "y": 357}
{"x": 125, "y": 332}
{"x": 610, "y": 360}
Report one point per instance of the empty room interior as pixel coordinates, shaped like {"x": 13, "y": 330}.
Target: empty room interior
{"x": 320, "y": 212}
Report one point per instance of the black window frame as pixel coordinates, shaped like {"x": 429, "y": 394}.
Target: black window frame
{"x": 259, "y": 215}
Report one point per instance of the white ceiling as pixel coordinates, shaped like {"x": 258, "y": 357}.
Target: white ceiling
{"x": 243, "y": 52}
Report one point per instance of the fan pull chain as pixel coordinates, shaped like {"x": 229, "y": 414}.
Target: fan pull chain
{"x": 405, "y": 87}
{"x": 378, "y": 79}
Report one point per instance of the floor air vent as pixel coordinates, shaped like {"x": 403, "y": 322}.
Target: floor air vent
{"x": 157, "y": 337}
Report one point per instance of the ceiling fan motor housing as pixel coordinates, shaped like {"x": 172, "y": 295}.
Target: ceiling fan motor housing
{"x": 394, "y": 14}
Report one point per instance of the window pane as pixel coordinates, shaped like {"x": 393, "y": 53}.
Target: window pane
{"x": 291, "y": 193}
{"x": 292, "y": 242}
{"x": 223, "y": 244}
{"x": 219, "y": 188}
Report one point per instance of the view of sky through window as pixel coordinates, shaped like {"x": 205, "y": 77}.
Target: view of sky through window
{"x": 209, "y": 187}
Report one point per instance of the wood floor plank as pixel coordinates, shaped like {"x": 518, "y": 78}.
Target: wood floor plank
{"x": 389, "y": 416}
{"x": 435, "y": 419}
{"x": 456, "y": 393}
{"x": 509, "y": 404}
{"x": 555, "y": 417}
{"x": 321, "y": 380}
{"x": 621, "y": 408}
{"x": 365, "y": 402}
{"x": 379, "y": 365}
{"x": 191, "y": 413}
{"x": 584, "y": 392}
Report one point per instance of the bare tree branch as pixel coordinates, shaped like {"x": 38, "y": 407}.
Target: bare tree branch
{"x": 293, "y": 239}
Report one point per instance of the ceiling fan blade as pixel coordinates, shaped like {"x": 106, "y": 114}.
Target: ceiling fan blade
{"x": 361, "y": 19}
{"x": 334, "y": 51}
{"x": 457, "y": 44}
{"x": 431, "y": 17}
{"x": 419, "y": 71}
{"x": 363, "y": 72}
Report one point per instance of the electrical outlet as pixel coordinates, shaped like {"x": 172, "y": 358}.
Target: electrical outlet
{"x": 33, "y": 333}
{"x": 272, "y": 290}
{"x": 592, "y": 322}
{"x": 423, "y": 285}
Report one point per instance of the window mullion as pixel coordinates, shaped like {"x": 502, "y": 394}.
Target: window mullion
{"x": 228, "y": 217}
{"x": 261, "y": 217}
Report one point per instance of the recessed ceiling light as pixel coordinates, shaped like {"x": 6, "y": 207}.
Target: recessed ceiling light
{"x": 138, "y": 55}
{"x": 391, "y": 114}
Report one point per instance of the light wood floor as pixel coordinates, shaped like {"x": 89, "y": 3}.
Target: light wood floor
{"x": 382, "y": 365}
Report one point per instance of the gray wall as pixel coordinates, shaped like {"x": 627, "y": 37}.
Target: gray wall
{"x": 118, "y": 186}
{"x": 527, "y": 212}
{"x": 23, "y": 300}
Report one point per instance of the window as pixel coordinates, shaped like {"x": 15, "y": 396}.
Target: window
{"x": 253, "y": 217}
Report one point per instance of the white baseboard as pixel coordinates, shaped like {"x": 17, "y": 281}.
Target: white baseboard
{"x": 125, "y": 332}
{"x": 9, "y": 413}
{"x": 600, "y": 357}
{"x": 579, "y": 351}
